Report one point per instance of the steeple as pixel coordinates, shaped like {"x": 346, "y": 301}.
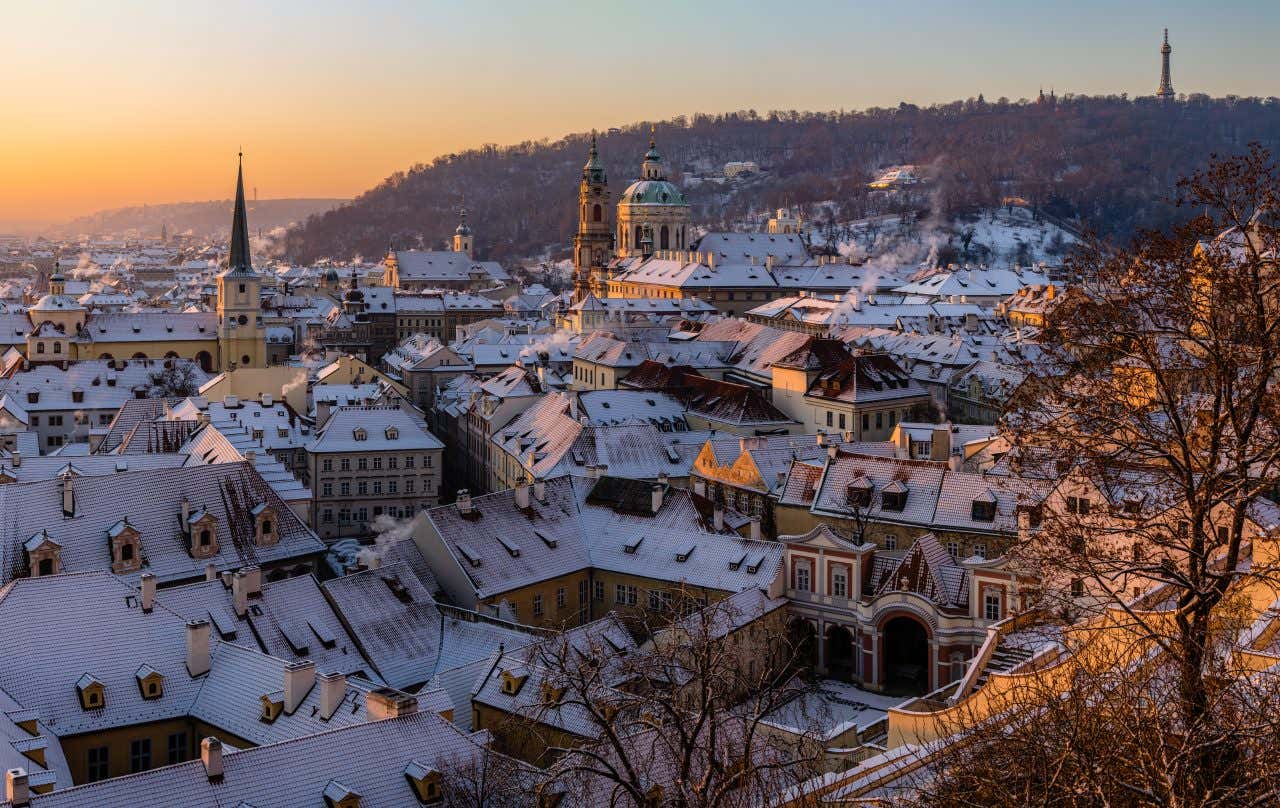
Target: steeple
{"x": 1165, "y": 93}
{"x": 462, "y": 241}
{"x": 651, "y": 169}
{"x": 593, "y": 243}
{"x": 240, "y": 260}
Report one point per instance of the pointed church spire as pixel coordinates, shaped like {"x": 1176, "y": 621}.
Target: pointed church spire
{"x": 240, "y": 260}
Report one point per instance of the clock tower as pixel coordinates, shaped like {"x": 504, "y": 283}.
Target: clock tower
{"x": 241, "y": 335}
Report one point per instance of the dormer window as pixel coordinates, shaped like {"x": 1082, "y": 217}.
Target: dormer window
{"x": 360, "y": 433}
{"x": 337, "y": 795}
{"x": 984, "y": 507}
{"x": 92, "y": 692}
{"x": 126, "y": 547}
{"x": 858, "y": 493}
{"x": 203, "y": 534}
{"x": 150, "y": 682}
{"x": 44, "y": 555}
{"x": 265, "y": 525}
{"x": 894, "y": 497}
{"x": 272, "y": 706}
{"x": 550, "y": 694}
{"x": 511, "y": 683}
{"x": 426, "y": 782}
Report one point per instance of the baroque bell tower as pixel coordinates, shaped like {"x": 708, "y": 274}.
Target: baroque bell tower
{"x": 241, "y": 335}
{"x": 593, "y": 243}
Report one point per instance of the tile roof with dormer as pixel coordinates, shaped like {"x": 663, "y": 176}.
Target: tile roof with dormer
{"x": 384, "y": 429}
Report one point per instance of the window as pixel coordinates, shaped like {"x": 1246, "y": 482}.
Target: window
{"x": 98, "y": 764}
{"x": 840, "y": 581}
{"x": 599, "y": 587}
{"x": 206, "y": 538}
{"x": 537, "y": 605}
{"x": 408, "y": 462}
{"x": 177, "y": 747}
{"x": 1078, "y": 505}
{"x": 983, "y": 511}
{"x": 802, "y": 576}
{"x": 655, "y": 601}
{"x": 345, "y": 464}
{"x": 953, "y": 549}
{"x": 362, "y": 514}
{"x": 890, "y": 542}
{"x": 377, "y": 486}
{"x": 631, "y": 596}
{"x": 362, "y": 464}
{"x": 620, "y": 594}
{"x": 426, "y": 461}
{"x": 866, "y": 422}
{"x": 991, "y": 606}
{"x": 140, "y": 755}
{"x": 879, "y": 420}
{"x": 327, "y": 464}
{"x": 393, "y": 462}
{"x": 393, "y": 487}
{"x": 327, "y": 489}
{"x": 328, "y": 516}
{"x": 842, "y": 420}
{"x": 1077, "y": 587}
{"x": 409, "y": 486}
{"x": 830, "y": 416}
{"x": 377, "y": 463}
{"x": 582, "y": 592}
{"x": 980, "y": 549}
{"x": 1224, "y": 534}
{"x": 345, "y": 488}
{"x": 561, "y": 598}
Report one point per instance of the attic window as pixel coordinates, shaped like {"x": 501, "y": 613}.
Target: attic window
{"x": 983, "y": 511}
{"x": 272, "y": 706}
{"x": 150, "y": 682}
{"x": 685, "y": 551}
{"x": 894, "y": 497}
{"x": 510, "y": 546}
{"x": 471, "y": 556}
{"x": 92, "y": 692}
{"x": 631, "y": 546}
{"x": 425, "y": 782}
{"x": 337, "y": 795}
{"x": 754, "y": 563}
{"x": 392, "y": 433}
{"x": 511, "y": 683}
{"x": 547, "y": 540}
{"x": 359, "y": 433}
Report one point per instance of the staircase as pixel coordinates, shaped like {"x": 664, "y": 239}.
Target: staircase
{"x": 1006, "y": 657}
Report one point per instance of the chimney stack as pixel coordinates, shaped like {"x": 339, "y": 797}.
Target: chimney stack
{"x": 755, "y": 528}
{"x": 148, "y": 591}
{"x": 464, "y": 500}
{"x": 15, "y": 458}
{"x": 299, "y": 678}
{"x": 656, "y": 497}
{"x": 198, "y": 659}
{"x": 822, "y": 438}
{"x": 540, "y": 489}
{"x": 333, "y": 689}
{"x": 69, "y": 495}
{"x": 717, "y": 517}
{"x": 186, "y": 513}
{"x": 522, "y": 494}
{"x": 211, "y": 756}
{"x": 17, "y": 788}
{"x": 387, "y": 702}
{"x": 211, "y": 571}
{"x": 239, "y": 594}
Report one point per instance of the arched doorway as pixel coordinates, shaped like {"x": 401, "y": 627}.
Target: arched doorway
{"x": 905, "y": 671}
{"x": 802, "y": 638}
{"x": 139, "y": 355}
{"x": 840, "y": 662}
{"x": 205, "y": 361}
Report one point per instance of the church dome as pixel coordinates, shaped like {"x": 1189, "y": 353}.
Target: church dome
{"x": 652, "y": 192}
{"x": 57, "y": 303}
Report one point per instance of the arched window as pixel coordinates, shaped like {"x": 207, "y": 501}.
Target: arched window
{"x": 597, "y": 214}
{"x": 126, "y": 552}
{"x": 39, "y": 347}
{"x": 664, "y": 238}
{"x": 205, "y": 538}
{"x": 139, "y": 355}
{"x": 639, "y": 235}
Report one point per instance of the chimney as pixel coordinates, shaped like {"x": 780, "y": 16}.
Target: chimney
{"x": 822, "y": 438}
{"x": 755, "y": 528}
{"x": 940, "y": 446}
{"x": 656, "y": 497}
{"x": 299, "y": 678}
{"x": 148, "y": 591}
{"x": 717, "y": 517}
{"x": 540, "y": 489}
{"x": 211, "y": 571}
{"x": 17, "y": 788}
{"x": 251, "y": 457}
{"x": 252, "y": 580}
{"x": 186, "y": 512}
{"x": 333, "y": 689}
{"x": 831, "y": 451}
{"x": 663, "y": 479}
{"x": 464, "y": 501}
{"x": 15, "y": 458}
{"x": 522, "y": 494}
{"x": 239, "y": 594}
{"x": 69, "y": 495}
{"x": 198, "y": 659}
{"x": 387, "y": 702}
{"x": 782, "y": 480}
{"x": 211, "y": 756}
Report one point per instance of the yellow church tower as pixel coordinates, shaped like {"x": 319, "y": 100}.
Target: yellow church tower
{"x": 242, "y": 338}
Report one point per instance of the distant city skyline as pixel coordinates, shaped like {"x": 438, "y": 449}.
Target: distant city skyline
{"x": 147, "y": 103}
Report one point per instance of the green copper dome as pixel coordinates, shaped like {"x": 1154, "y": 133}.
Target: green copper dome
{"x": 652, "y": 192}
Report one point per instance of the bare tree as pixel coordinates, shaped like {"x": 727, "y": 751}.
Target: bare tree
{"x": 1154, "y": 397}
{"x": 691, "y": 717}
{"x": 176, "y": 379}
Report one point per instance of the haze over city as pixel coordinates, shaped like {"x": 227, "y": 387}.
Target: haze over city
{"x": 145, "y": 102}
